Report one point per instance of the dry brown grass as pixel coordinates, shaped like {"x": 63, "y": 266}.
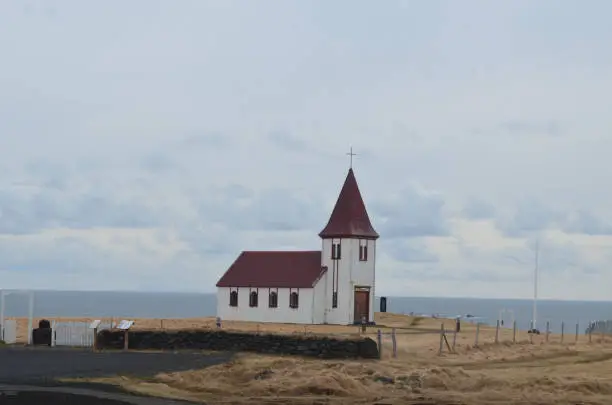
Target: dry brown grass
{"x": 524, "y": 372}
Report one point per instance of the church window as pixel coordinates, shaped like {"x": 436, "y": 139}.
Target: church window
{"x": 253, "y": 299}
{"x": 273, "y": 299}
{"x": 294, "y": 300}
{"x": 336, "y": 251}
{"x": 363, "y": 250}
{"x": 335, "y": 299}
{"x": 234, "y": 298}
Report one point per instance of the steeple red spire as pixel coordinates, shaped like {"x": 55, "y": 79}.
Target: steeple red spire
{"x": 349, "y": 217}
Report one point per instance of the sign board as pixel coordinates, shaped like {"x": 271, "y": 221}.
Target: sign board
{"x": 125, "y": 325}
{"x": 95, "y": 324}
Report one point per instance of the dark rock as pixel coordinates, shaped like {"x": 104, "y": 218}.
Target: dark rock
{"x": 322, "y": 347}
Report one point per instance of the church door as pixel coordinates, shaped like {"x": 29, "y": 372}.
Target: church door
{"x": 362, "y": 304}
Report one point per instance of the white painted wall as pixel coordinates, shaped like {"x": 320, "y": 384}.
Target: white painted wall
{"x": 319, "y": 301}
{"x": 262, "y": 313}
{"x": 351, "y": 273}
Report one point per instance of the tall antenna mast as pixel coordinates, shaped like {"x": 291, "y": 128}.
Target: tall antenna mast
{"x": 535, "y": 287}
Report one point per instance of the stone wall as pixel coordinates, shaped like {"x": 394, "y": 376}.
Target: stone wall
{"x": 312, "y": 346}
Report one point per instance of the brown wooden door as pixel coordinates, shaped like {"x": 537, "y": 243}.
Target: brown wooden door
{"x": 362, "y": 305}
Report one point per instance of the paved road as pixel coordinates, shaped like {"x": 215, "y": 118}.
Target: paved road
{"x": 32, "y": 395}
{"x": 42, "y": 366}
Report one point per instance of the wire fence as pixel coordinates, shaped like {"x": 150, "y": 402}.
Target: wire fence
{"x": 392, "y": 342}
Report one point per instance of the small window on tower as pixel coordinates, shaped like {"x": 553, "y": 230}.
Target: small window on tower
{"x": 363, "y": 250}
{"x": 336, "y": 253}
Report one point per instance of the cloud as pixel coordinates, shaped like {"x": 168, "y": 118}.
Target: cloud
{"x": 532, "y": 217}
{"x": 410, "y": 213}
{"x": 478, "y": 209}
{"x": 165, "y": 151}
{"x": 583, "y": 222}
{"x": 408, "y": 251}
{"x": 48, "y": 208}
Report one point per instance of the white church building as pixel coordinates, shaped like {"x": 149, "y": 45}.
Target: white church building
{"x": 335, "y": 285}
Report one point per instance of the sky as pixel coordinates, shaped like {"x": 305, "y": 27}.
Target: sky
{"x": 144, "y": 144}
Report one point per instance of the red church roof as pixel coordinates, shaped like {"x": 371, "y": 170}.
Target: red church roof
{"x": 349, "y": 217}
{"x": 281, "y": 269}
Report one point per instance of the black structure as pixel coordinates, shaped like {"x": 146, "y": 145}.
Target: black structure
{"x": 383, "y": 304}
{"x": 42, "y": 334}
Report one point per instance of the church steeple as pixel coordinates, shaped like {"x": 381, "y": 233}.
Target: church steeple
{"x": 349, "y": 217}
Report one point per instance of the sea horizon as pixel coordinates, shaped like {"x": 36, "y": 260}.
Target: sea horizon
{"x": 189, "y": 292}
{"x": 173, "y": 305}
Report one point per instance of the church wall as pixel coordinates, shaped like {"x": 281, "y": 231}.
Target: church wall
{"x": 319, "y": 302}
{"x": 351, "y": 273}
{"x": 263, "y": 313}
{"x": 362, "y": 273}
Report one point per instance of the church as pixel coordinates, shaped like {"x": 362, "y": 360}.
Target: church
{"x": 335, "y": 285}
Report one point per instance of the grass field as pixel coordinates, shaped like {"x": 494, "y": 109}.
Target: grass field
{"x": 526, "y": 372}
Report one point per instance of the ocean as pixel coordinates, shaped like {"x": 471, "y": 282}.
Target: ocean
{"x": 51, "y": 304}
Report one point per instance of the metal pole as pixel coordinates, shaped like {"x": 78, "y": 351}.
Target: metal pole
{"x": 477, "y": 332}
{"x": 30, "y": 317}
{"x": 2, "y": 295}
{"x": 379, "y": 338}
{"x": 535, "y": 287}
{"x": 547, "y": 330}
{"x": 513, "y": 331}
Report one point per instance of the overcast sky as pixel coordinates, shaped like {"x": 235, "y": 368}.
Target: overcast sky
{"x": 144, "y": 144}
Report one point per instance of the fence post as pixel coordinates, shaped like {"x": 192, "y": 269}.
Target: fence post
{"x": 601, "y": 339}
{"x": 590, "y": 332}
{"x": 477, "y": 332}
{"x": 379, "y": 338}
{"x": 497, "y": 332}
{"x": 577, "y": 329}
{"x": 562, "y": 331}
{"x": 126, "y": 339}
{"x": 53, "y": 333}
{"x": 441, "y": 339}
{"x": 547, "y": 330}
{"x": 531, "y": 330}
{"x": 454, "y": 339}
{"x": 514, "y": 332}
{"x": 394, "y": 341}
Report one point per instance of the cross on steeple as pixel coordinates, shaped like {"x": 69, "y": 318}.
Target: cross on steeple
{"x": 351, "y": 154}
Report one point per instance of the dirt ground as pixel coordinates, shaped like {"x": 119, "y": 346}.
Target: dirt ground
{"x": 525, "y": 370}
